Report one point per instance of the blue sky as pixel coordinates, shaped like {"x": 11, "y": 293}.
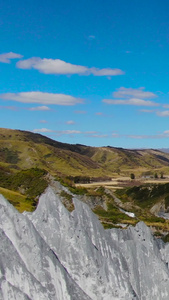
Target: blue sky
{"x": 88, "y": 72}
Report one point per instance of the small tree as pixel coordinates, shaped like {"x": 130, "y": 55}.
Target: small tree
{"x": 155, "y": 175}
{"x": 132, "y": 176}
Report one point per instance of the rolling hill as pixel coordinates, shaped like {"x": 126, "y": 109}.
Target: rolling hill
{"x": 21, "y": 150}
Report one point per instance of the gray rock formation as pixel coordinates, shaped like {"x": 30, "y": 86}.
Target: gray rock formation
{"x": 52, "y": 254}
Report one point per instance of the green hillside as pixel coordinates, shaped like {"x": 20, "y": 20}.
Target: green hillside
{"x": 23, "y": 150}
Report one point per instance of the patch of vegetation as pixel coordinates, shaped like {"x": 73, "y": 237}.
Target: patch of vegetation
{"x": 78, "y": 190}
{"x": 158, "y": 234}
{"x": 145, "y": 195}
{"x": 109, "y": 225}
{"x": 79, "y": 179}
{"x": 167, "y": 201}
{"x": 132, "y": 176}
{"x": 153, "y": 219}
{"x": 68, "y": 202}
{"x": 9, "y": 156}
{"x": 166, "y": 238}
{"x": 66, "y": 195}
{"x": 111, "y": 215}
{"x": 17, "y": 200}
{"x": 31, "y": 183}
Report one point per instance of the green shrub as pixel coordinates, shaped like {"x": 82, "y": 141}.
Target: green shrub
{"x": 9, "y": 156}
{"x": 78, "y": 190}
{"x": 166, "y": 201}
{"x": 166, "y": 238}
{"x": 66, "y": 195}
{"x": 31, "y": 181}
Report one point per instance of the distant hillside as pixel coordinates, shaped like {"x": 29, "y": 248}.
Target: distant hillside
{"x": 21, "y": 150}
{"x": 165, "y": 150}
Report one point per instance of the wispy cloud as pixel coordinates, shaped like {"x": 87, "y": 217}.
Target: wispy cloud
{"x": 166, "y": 132}
{"x": 136, "y": 93}
{"x": 166, "y": 105}
{"x": 91, "y": 37}
{"x": 91, "y": 132}
{"x": 58, "y": 132}
{"x": 14, "y": 108}
{"x": 162, "y": 135}
{"x": 43, "y": 121}
{"x": 42, "y": 130}
{"x": 132, "y": 101}
{"x": 68, "y": 132}
{"x": 81, "y": 112}
{"x": 6, "y": 57}
{"x": 105, "y": 72}
{"x": 40, "y": 108}
{"x": 70, "y": 122}
{"x": 130, "y": 96}
{"x": 60, "y": 67}
{"x": 164, "y": 113}
{"x": 99, "y": 135}
{"x": 147, "y": 110}
{"x": 115, "y": 135}
{"x": 99, "y": 114}
{"x": 95, "y": 134}
{"x": 42, "y": 98}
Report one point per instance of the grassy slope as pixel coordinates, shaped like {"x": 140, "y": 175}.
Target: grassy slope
{"x": 23, "y": 150}
{"x": 16, "y": 199}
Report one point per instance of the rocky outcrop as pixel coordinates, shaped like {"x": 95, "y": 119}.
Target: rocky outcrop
{"x": 53, "y": 254}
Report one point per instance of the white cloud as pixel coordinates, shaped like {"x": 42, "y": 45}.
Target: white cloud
{"x": 6, "y": 57}
{"x": 137, "y": 97}
{"x": 147, "y": 110}
{"x": 139, "y": 137}
{"x": 136, "y": 93}
{"x": 71, "y": 122}
{"x": 106, "y": 72}
{"x": 51, "y": 66}
{"x": 69, "y": 132}
{"x": 58, "y": 132}
{"x": 132, "y": 101}
{"x": 163, "y": 113}
{"x": 43, "y": 121}
{"x": 166, "y": 132}
{"x": 99, "y": 135}
{"x": 27, "y": 63}
{"x": 42, "y": 98}
{"x": 91, "y": 132}
{"x": 162, "y": 135}
{"x": 42, "y": 130}
{"x": 57, "y": 66}
{"x": 39, "y": 108}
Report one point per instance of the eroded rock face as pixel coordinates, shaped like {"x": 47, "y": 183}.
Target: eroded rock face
{"x": 52, "y": 254}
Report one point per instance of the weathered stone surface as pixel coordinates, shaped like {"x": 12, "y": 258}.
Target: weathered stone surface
{"x": 52, "y": 254}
